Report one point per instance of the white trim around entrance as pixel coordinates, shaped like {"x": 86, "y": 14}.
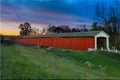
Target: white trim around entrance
{"x": 102, "y": 34}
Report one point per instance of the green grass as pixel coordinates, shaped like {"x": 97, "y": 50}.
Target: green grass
{"x": 25, "y": 62}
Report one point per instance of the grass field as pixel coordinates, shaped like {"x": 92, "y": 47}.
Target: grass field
{"x": 27, "y": 62}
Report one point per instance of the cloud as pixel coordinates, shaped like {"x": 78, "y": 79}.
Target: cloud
{"x": 40, "y": 13}
{"x": 48, "y": 11}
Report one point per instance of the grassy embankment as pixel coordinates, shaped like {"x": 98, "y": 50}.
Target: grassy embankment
{"x": 37, "y": 63}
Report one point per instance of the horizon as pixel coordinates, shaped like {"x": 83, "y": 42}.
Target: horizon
{"x": 40, "y": 13}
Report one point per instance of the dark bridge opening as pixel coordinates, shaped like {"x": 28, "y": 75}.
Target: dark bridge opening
{"x": 101, "y": 42}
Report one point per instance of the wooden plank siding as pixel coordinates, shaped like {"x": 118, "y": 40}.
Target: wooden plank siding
{"x": 82, "y": 43}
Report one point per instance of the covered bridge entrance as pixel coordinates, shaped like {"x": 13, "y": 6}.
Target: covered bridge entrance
{"x": 101, "y": 40}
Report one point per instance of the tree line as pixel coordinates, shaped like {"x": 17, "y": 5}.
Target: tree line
{"x": 65, "y": 29}
{"x": 26, "y": 29}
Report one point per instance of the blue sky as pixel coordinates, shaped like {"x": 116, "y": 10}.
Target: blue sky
{"x": 43, "y": 12}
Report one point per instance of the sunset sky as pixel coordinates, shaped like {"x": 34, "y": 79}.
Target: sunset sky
{"x": 40, "y": 13}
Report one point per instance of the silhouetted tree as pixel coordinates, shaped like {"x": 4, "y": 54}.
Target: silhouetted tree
{"x": 52, "y": 28}
{"x": 25, "y": 29}
{"x": 74, "y": 30}
{"x": 65, "y": 28}
{"x": 77, "y": 29}
{"x": 95, "y": 26}
{"x": 59, "y": 29}
{"x": 81, "y": 28}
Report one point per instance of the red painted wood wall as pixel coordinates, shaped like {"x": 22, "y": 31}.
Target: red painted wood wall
{"x": 64, "y": 43}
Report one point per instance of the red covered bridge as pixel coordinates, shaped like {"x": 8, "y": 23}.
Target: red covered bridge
{"x": 74, "y": 40}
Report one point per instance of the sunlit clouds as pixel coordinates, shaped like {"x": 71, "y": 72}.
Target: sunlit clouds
{"x": 41, "y": 13}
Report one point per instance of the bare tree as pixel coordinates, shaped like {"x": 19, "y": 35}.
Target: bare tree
{"x": 35, "y": 31}
{"x": 102, "y": 12}
{"x": 110, "y": 16}
{"x": 95, "y": 26}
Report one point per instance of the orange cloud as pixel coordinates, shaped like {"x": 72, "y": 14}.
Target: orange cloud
{"x": 9, "y": 28}
{"x": 10, "y": 33}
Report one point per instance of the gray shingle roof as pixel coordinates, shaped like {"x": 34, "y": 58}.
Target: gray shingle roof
{"x": 71, "y": 34}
